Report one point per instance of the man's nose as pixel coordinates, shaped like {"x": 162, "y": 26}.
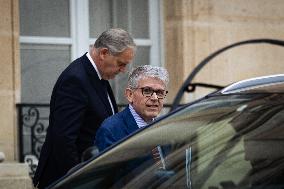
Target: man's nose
{"x": 154, "y": 96}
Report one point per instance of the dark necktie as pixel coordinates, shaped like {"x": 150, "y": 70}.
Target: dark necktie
{"x": 105, "y": 89}
{"x": 109, "y": 94}
{"x": 104, "y": 85}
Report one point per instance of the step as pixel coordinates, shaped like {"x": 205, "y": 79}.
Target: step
{"x": 15, "y": 175}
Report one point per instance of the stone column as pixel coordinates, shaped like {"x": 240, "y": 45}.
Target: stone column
{"x": 179, "y": 42}
{"x": 14, "y": 175}
{"x": 9, "y": 77}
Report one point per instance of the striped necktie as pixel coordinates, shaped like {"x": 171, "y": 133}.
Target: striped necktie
{"x": 158, "y": 157}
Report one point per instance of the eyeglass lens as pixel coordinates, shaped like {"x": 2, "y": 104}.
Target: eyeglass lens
{"x": 148, "y": 92}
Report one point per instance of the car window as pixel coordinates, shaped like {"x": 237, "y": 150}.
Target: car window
{"x": 229, "y": 141}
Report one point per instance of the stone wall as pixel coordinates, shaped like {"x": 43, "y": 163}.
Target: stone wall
{"x": 196, "y": 28}
{"x": 9, "y": 77}
{"x": 14, "y": 175}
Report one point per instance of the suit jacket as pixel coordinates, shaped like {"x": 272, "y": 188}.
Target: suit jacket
{"x": 115, "y": 128}
{"x": 77, "y": 108}
{"x": 112, "y": 130}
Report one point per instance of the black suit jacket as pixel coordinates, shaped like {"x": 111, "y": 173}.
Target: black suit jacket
{"x": 77, "y": 108}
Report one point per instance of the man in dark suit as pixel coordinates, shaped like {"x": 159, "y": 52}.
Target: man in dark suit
{"x": 81, "y": 99}
{"x": 145, "y": 93}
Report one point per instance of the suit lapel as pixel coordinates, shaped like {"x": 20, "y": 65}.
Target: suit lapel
{"x": 130, "y": 122}
{"x": 96, "y": 83}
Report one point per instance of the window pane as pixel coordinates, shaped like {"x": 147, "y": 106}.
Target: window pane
{"x": 100, "y": 16}
{"x": 40, "y": 68}
{"x": 133, "y": 16}
{"x": 139, "y": 18}
{"x": 45, "y": 18}
{"x": 142, "y": 56}
{"x": 121, "y": 15}
{"x": 124, "y": 14}
{"x": 120, "y": 82}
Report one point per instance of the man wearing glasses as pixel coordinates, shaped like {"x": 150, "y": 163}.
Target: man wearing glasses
{"x": 145, "y": 92}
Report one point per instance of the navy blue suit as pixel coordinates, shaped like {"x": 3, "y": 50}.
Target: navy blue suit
{"x": 112, "y": 130}
{"x": 115, "y": 128}
{"x": 77, "y": 108}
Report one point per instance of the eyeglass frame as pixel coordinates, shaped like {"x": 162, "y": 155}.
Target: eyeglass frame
{"x": 153, "y": 91}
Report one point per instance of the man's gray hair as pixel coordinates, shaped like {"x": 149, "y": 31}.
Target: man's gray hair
{"x": 116, "y": 40}
{"x": 142, "y": 72}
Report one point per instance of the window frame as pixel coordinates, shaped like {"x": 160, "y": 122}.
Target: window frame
{"x": 80, "y": 39}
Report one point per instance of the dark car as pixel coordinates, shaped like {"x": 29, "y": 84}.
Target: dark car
{"x": 232, "y": 138}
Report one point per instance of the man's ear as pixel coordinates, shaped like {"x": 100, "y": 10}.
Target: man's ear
{"x": 129, "y": 95}
{"x": 103, "y": 52}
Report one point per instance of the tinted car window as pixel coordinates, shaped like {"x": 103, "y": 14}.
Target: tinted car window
{"x": 222, "y": 141}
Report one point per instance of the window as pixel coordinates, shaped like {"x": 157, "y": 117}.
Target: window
{"x": 45, "y": 46}
{"x": 52, "y": 34}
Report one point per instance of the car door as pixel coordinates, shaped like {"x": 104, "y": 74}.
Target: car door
{"x": 222, "y": 141}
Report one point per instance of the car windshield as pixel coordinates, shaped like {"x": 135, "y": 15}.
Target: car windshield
{"x": 222, "y": 141}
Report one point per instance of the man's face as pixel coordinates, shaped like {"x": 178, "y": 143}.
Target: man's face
{"x": 112, "y": 65}
{"x": 147, "y": 107}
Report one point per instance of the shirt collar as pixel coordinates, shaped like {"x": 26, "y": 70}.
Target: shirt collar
{"x": 94, "y": 65}
{"x": 139, "y": 120}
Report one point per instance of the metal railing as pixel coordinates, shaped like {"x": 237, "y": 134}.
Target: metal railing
{"x": 32, "y": 124}
{"x": 33, "y": 121}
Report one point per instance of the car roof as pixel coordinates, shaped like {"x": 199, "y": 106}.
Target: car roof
{"x": 264, "y": 84}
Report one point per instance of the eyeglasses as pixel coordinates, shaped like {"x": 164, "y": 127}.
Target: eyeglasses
{"x": 148, "y": 92}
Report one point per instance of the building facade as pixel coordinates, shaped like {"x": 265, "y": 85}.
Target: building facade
{"x": 40, "y": 38}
